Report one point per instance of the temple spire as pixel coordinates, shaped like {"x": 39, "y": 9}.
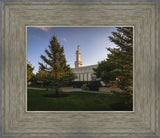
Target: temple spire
{"x": 78, "y": 47}
{"x": 78, "y": 62}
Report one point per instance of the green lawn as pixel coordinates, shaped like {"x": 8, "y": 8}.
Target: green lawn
{"x": 76, "y": 101}
{"x": 37, "y": 86}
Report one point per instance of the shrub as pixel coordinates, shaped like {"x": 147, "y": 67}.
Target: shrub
{"x": 94, "y": 85}
{"x": 116, "y": 93}
{"x": 76, "y": 84}
{"x": 85, "y": 87}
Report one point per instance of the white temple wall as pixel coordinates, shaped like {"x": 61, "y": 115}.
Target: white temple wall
{"x": 77, "y": 77}
{"x": 81, "y": 77}
{"x": 84, "y": 73}
{"x": 89, "y": 77}
{"x": 85, "y": 77}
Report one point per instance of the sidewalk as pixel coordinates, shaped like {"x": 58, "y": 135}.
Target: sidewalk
{"x": 33, "y": 88}
{"x": 73, "y": 90}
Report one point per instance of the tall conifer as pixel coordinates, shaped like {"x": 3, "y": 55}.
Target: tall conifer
{"x": 119, "y": 63}
{"x": 56, "y": 68}
{"x": 122, "y": 56}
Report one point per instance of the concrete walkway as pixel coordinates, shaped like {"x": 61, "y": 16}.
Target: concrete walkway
{"x": 80, "y": 90}
{"x": 33, "y": 88}
{"x": 73, "y": 90}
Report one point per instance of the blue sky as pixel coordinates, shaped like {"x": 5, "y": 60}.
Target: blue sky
{"x": 93, "y": 42}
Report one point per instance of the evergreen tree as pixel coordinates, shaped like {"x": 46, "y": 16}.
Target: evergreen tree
{"x": 119, "y": 63}
{"x": 43, "y": 78}
{"x": 123, "y": 38}
{"x": 55, "y": 69}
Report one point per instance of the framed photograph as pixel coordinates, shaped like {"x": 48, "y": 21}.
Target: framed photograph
{"x": 94, "y": 75}
{"x": 80, "y": 69}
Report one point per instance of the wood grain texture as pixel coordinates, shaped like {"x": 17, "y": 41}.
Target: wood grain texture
{"x": 142, "y": 122}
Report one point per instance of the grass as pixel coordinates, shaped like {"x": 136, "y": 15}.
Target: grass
{"x": 76, "y": 101}
{"x": 37, "y": 86}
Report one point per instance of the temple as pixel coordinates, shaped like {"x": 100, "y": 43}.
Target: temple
{"x": 78, "y": 62}
{"x": 83, "y": 73}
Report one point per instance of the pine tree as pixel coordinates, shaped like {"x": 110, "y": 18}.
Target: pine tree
{"x": 56, "y": 70}
{"x": 119, "y": 63}
{"x": 123, "y": 57}
{"x": 42, "y": 77}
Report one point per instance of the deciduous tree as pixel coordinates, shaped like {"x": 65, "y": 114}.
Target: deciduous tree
{"x": 29, "y": 71}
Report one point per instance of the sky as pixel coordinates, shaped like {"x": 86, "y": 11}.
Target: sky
{"x": 93, "y": 42}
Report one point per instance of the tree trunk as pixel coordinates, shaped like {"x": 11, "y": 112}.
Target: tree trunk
{"x": 56, "y": 81}
{"x": 57, "y": 93}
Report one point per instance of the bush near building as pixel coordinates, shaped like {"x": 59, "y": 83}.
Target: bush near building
{"x": 85, "y": 87}
{"x": 90, "y": 85}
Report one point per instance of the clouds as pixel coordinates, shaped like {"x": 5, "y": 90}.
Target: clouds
{"x": 64, "y": 39}
{"x": 46, "y": 29}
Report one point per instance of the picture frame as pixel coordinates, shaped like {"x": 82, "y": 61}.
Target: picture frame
{"x": 143, "y": 121}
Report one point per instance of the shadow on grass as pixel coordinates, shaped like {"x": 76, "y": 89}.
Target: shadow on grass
{"x": 55, "y": 95}
{"x": 122, "y": 107}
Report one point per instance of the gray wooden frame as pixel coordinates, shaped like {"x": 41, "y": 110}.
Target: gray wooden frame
{"x": 143, "y": 121}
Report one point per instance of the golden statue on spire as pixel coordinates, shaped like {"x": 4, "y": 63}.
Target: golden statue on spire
{"x": 78, "y": 47}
